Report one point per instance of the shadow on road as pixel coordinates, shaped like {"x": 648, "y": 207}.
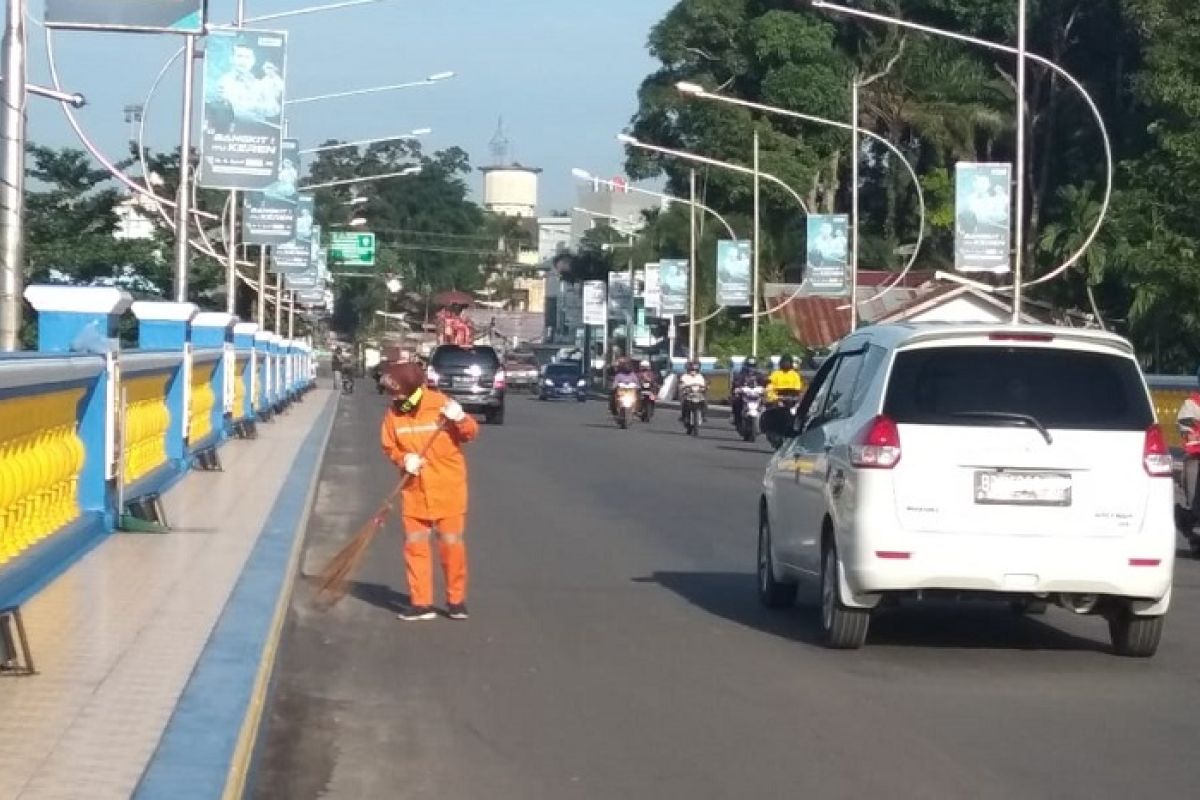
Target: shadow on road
{"x": 963, "y": 626}
{"x": 380, "y": 596}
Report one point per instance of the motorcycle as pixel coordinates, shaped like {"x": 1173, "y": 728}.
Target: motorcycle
{"x": 646, "y": 400}
{"x": 692, "y": 400}
{"x": 347, "y": 381}
{"x": 752, "y": 401}
{"x": 626, "y": 407}
{"x": 789, "y": 399}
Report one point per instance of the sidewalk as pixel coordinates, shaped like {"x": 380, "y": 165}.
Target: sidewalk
{"x": 128, "y": 631}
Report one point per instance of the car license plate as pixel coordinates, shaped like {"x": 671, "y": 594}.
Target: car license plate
{"x": 1009, "y": 488}
{"x": 464, "y": 383}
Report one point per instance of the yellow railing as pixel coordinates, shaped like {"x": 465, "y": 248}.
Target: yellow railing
{"x": 239, "y": 387}
{"x": 1166, "y": 407}
{"x": 146, "y": 422}
{"x": 41, "y": 456}
{"x": 203, "y": 400}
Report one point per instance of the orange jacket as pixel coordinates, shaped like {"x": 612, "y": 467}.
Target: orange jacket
{"x": 440, "y": 490}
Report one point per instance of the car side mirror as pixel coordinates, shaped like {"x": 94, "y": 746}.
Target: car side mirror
{"x": 778, "y": 422}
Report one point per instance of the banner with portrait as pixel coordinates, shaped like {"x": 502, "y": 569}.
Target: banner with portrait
{"x": 673, "y": 285}
{"x": 828, "y": 261}
{"x": 241, "y": 128}
{"x": 652, "y": 290}
{"x": 296, "y": 255}
{"x": 269, "y": 216}
{"x": 982, "y": 229}
{"x": 733, "y": 273}
{"x": 620, "y": 295}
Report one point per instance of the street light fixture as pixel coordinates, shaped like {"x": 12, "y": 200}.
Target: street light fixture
{"x": 400, "y": 137}
{"x": 698, "y": 91}
{"x": 1021, "y": 55}
{"x": 357, "y": 222}
{"x": 427, "y": 81}
{"x": 412, "y": 170}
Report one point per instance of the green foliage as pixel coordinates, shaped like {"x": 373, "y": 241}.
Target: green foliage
{"x": 774, "y": 338}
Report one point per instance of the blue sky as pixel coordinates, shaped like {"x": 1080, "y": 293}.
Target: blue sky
{"x": 563, "y": 74}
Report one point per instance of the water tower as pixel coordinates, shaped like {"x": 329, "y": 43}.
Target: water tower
{"x": 509, "y": 188}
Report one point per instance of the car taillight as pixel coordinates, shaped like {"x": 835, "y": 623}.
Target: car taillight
{"x": 498, "y": 381}
{"x": 1156, "y": 456}
{"x": 879, "y": 447}
{"x": 431, "y": 376}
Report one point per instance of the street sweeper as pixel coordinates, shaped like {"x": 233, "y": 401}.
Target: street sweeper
{"x": 423, "y": 434}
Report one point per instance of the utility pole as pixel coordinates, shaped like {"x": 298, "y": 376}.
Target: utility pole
{"x": 854, "y": 159}
{"x": 183, "y": 199}
{"x": 757, "y": 263}
{"x": 1019, "y": 236}
{"x": 12, "y": 175}
{"x": 692, "y": 272}
{"x": 231, "y": 267}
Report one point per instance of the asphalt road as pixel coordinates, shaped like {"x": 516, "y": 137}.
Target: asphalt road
{"x": 616, "y": 650}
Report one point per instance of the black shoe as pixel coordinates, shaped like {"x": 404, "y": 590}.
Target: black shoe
{"x": 457, "y": 611}
{"x": 417, "y": 614}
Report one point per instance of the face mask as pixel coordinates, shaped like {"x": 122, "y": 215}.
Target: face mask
{"x": 412, "y": 402}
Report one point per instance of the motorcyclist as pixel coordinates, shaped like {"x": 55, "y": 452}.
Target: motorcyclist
{"x": 748, "y": 375}
{"x": 622, "y": 373}
{"x": 786, "y": 378}
{"x": 339, "y": 364}
{"x": 692, "y": 379}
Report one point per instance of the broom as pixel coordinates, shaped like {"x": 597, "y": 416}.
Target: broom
{"x": 333, "y": 582}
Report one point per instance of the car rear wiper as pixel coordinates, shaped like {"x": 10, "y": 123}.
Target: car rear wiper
{"x": 1027, "y": 419}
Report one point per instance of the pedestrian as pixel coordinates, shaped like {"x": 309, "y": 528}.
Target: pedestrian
{"x": 423, "y": 434}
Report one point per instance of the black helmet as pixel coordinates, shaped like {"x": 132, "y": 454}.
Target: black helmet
{"x": 693, "y": 366}
{"x": 786, "y": 363}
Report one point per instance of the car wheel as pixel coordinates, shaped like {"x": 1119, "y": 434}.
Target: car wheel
{"x": 1133, "y": 636}
{"x": 494, "y": 416}
{"x": 772, "y": 593}
{"x": 844, "y": 628}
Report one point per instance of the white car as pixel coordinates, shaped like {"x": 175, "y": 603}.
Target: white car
{"x": 1013, "y": 463}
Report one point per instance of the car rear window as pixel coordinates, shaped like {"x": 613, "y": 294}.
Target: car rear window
{"x": 454, "y": 356}
{"x": 562, "y": 371}
{"x": 1066, "y": 389}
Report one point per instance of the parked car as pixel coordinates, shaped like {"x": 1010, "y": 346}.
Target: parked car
{"x": 471, "y": 375}
{"x": 521, "y": 371}
{"x": 563, "y": 380}
{"x": 1011, "y": 463}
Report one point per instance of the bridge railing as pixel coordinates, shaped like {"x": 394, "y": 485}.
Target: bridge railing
{"x": 86, "y": 426}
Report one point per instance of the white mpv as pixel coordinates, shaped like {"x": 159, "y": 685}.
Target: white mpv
{"x": 1014, "y": 463}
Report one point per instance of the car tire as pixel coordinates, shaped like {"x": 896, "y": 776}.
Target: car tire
{"x": 1133, "y": 636}
{"x": 494, "y": 416}
{"x": 842, "y": 627}
{"x": 772, "y": 593}
{"x": 1028, "y": 608}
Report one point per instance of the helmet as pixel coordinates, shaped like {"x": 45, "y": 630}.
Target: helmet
{"x": 645, "y": 364}
{"x": 750, "y": 363}
{"x": 693, "y": 366}
{"x": 403, "y": 380}
{"x": 786, "y": 362}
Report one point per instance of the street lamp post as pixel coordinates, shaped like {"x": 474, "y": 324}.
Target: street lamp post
{"x": 695, "y": 90}
{"x": 630, "y": 313}
{"x": 400, "y": 137}
{"x": 1022, "y": 56}
{"x": 427, "y": 81}
{"x": 757, "y": 175}
{"x": 12, "y": 171}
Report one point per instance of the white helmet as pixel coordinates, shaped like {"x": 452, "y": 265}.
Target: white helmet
{"x": 645, "y": 364}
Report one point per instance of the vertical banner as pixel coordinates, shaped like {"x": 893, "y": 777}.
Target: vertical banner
{"x": 733, "y": 273}
{"x": 673, "y": 285}
{"x": 269, "y": 216}
{"x": 242, "y": 121}
{"x": 982, "y": 231}
{"x": 293, "y": 256}
{"x": 620, "y": 295}
{"x": 828, "y": 259}
{"x": 652, "y": 293}
{"x": 595, "y": 311}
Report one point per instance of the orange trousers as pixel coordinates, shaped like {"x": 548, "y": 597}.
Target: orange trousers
{"x": 418, "y": 561}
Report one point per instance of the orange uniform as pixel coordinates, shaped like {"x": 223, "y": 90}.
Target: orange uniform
{"x": 436, "y": 499}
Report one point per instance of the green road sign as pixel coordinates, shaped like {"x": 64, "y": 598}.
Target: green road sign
{"x": 349, "y": 249}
